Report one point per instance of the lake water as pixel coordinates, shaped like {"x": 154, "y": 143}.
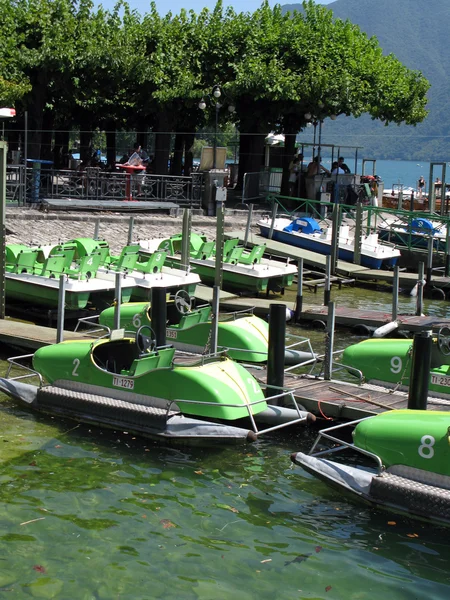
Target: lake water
{"x": 91, "y": 514}
{"x": 405, "y": 172}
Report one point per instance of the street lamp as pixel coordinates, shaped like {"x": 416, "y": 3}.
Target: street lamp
{"x": 214, "y": 97}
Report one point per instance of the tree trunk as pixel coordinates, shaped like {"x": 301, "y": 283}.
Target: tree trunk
{"x": 288, "y": 155}
{"x": 47, "y": 135}
{"x": 61, "y": 149}
{"x": 86, "y": 143}
{"x": 252, "y": 159}
{"x": 176, "y": 165}
{"x": 189, "y": 139}
{"x": 111, "y": 145}
{"x": 162, "y": 144}
{"x": 36, "y": 105}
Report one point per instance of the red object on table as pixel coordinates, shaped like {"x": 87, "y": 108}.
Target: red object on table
{"x": 129, "y": 170}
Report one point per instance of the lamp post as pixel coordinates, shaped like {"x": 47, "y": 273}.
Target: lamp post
{"x": 214, "y": 97}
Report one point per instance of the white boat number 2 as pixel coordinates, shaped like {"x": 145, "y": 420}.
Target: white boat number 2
{"x": 76, "y": 364}
{"x": 426, "y": 449}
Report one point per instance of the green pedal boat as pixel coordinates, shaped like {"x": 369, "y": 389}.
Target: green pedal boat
{"x": 125, "y": 381}
{"x": 388, "y": 362}
{"x": 244, "y": 335}
{"x": 244, "y": 271}
{"x": 400, "y": 462}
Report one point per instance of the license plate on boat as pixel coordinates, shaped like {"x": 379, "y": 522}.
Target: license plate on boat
{"x": 123, "y": 382}
{"x": 440, "y": 380}
{"x": 170, "y": 333}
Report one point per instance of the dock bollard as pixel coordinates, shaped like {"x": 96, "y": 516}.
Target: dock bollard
{"x": 420, "y": 371}
{"x": 299, "y": 299}
{"x": 277, "y": 349}
{"x": 158, "y": 312}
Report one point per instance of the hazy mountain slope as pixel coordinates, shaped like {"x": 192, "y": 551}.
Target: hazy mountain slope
{"x": 417, "y": 32}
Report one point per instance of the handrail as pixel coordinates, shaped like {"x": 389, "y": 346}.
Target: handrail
{"x": 12, "y": 362}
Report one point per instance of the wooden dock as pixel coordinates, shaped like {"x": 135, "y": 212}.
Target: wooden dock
{"x": 326, "y": 399}
{"x": 344, "y": 317}
{"x": 31, "y": 337}
{"x": 343, "y": 400}
{"x": 343, "y": 268}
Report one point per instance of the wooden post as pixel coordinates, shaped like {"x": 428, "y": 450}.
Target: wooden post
{"x": 274, "y": 216}
{"x": 420, "y": 284}
{"x": 118, "y": 293}
{"x": 186, "y": 239}
{"x": 395, "y": 293}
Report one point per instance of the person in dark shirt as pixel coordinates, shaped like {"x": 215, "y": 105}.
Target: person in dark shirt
{"x": 342, "y": 165}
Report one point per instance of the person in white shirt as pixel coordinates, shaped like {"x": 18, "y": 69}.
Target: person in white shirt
{"x": 336, "y": 169}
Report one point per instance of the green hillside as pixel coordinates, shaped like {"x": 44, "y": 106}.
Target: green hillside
{"x": 417, "y": 32}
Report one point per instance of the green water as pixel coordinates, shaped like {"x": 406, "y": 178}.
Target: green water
{"x": 88, "y": 513}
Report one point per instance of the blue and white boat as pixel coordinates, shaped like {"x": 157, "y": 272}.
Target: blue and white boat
{"x": 306, "y": 232}
{"x": 415, "y": 233}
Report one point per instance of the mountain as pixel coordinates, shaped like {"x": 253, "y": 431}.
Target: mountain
{"x": 417, "y": 33}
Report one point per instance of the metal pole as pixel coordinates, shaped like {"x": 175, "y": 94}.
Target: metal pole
{"x": 429, "y": 260}
{"x": 273, "y": 217}
{"x": 215, "y": 137}
{"x": 118, "y": 294}
{"x": 130, "y": 231}
{"x": 447, "y": 251}
{"x": 335, "y": 220}
{"x": 329, "y": 342}
{"x": 97, "y": 229}
{"x": 420, "y": 371}
{"x": 217, "y": 278}
{"x": 158, "y": 311}
{"x": 25, "y": 155}
{"x": 3, "y": 152}
{"x": 249, "y": 224}
{"x": 61, "y": 306}
{"x": 420, "y": 284}
{"x": 327, "y": 289}
{"x": 358, "y": 235}
{"x": 277, "y": 348}
{"x": 186, "y": 239}
{"x": 395, "y": 293}
{"x": 299, "y": 299}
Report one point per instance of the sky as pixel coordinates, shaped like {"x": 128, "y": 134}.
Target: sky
{"x": 175, "y": 6}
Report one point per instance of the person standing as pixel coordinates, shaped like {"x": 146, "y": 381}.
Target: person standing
{"x": 421, "y": 186}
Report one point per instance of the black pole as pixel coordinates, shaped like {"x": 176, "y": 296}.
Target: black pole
{"x": 420, "y": 371}
{"x": 429, "y": 260}
{"x": 158, "y": 312}
{"x": 299, "y": 299}
{"x": 277, "y": 343}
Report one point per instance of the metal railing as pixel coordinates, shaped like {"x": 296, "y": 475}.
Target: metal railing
{"x": 28, "y": 185}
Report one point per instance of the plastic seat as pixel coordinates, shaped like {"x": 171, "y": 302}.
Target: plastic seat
{"x": 25, "y": 261}
{"x": 53, "y": 266}
{"x": 254, "y": 256}
{"x": 86, "y": 268}
{"x": 154, "y": 264}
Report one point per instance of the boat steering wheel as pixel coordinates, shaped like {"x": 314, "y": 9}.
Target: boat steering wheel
{"x": 145, "y": 340}
{"x": 183, "y": 302}
{"x": 443, "y": 340}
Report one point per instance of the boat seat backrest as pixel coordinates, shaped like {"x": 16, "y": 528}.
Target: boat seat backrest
{"x": 25, "y": 261}
{"x": 228, "y": 246}
{"x": 87, "y": 266}
{"x": 206, "y": 251}
{"x": 234, "y": 255}
{"x": 254, "y": 256}
{"x": 154, "y": 264}
{"x": 53, "y": 266}
{"x": 127, "y": 259}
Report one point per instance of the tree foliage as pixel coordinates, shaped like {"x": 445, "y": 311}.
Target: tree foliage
{"x": 88, "y": 67}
